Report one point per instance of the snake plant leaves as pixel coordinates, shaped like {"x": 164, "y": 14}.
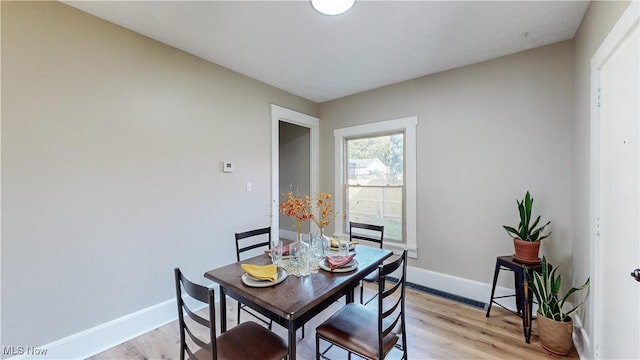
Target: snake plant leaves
{"x": 526, "y": 230}
{"x": 546, "y": 287}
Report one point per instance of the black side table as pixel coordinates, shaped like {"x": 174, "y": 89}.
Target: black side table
{"x": 524, "y": 297}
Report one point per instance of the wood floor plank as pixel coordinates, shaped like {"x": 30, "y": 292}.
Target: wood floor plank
{"x": 437, "y": 328}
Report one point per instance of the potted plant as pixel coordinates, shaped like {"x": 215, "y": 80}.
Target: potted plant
{"x": 527, "y": 236}
{"x": 555, "y": 326}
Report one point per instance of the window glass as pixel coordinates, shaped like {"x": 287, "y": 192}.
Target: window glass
{"x": 374, "y": 186}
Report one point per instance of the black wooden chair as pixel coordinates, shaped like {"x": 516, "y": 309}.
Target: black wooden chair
{"x": 371, "y": 331}
{"x": 370, "y": 233}
{"x": 245, "y": 341}
{"x": 249, "y": 240}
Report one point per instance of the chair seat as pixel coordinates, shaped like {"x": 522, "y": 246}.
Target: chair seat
{"x": 356, "y": 326}
{"x": 250, "y": 341}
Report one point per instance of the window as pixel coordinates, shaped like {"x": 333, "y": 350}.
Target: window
{"x": 376, "y": 179}
{"x": 374, "y": 185}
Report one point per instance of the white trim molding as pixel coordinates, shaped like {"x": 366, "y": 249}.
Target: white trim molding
{"x": 624, "y": 26}
{"x": 408, "y": 126}
{"x": 470, "y": 289}
{"x": 279, "y": 113}
{"x": 97, "y": 339}
{"x": 581, "y": 339}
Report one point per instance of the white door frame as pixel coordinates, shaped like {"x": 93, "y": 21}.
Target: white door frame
{"x": 278, "y": 114}
{"x": 625, "y": 25}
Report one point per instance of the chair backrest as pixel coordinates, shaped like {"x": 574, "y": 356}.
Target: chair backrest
{"x": 391, "y": 310}
{"x": 202, "y": 294}
{"x": 374, "y": 233}
{"x": 249, "y": 240}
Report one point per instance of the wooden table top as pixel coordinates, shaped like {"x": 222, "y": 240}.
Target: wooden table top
{"x": 295, "y": 296}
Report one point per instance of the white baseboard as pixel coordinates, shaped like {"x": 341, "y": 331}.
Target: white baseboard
{"x": 469, "y": 289}
{"x": 97, "y": 339}
{"x": 581, "y": 338}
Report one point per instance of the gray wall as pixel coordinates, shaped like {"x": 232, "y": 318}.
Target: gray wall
{"x": 112, "y": 147}
{"x": 112, "y": 150}
{"x": 486, "y": 133}
{"x": 598, "y": 21}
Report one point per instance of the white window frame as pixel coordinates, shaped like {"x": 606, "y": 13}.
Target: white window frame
{"x": 408, "y": 126}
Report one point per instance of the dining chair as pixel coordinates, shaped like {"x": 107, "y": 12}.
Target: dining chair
{"x": 231, "y": 344}
{"x": 374, "y": 234}
{"x": 371, "y": 331}
{"x": 249, "y": 240}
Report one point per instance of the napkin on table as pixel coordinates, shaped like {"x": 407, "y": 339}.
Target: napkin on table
{"x": 261, "y": 272}
{"x": 338, "y": 261}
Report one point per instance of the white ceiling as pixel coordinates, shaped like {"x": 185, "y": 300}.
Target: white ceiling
{"x": 292, "y": 47}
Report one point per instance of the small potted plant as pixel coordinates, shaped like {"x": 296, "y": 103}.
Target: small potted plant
{"x": 527, "y": 236}
{"x": 555, "y": 326}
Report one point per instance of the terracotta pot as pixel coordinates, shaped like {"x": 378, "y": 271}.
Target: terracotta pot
{"x": 526, "y": 251}
{"x": 555, "y": 336}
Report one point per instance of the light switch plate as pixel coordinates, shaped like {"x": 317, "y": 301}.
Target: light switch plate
{"x": 227, "y": 166}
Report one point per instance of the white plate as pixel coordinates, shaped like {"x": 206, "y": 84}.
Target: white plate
{"x": 253, "y": 282}
{"x": 350, "y": 267}
{"x": 351, "y": 248}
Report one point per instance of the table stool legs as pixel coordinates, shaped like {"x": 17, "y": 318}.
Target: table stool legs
{"x": 493, "y": 288}
{"x": 517, "y": 281}
{"x": 523, "y": 305}
{"x": 524, "y": 297}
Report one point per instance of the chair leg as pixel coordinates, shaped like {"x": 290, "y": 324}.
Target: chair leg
{"x": 361, "y": 292}
{"x": 493, "y": 287}
{"x": 239, "y": 305}
{"x": 517, "y": 276}
{"x": 317, "y": 347}
{"x": 270, "y": 323}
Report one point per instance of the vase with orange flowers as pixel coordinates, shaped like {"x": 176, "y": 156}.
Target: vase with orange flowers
{"x": 324, "y": 207}
{"x": 299, "y": 208}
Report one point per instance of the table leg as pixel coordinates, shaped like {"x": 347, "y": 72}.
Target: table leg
{"x": 292, "y": 342}
{"x": 526, "y": 312}
{"x": 517, "y": 276}
{"x": 526, "y": 305}
{"x": 493, "y": 288}
{"x": 223, "y": 310}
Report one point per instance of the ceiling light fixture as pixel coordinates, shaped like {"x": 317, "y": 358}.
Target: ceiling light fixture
{"x": 332, "y": 7}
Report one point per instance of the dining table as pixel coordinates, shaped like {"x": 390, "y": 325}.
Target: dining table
{"x": 294, "y": 300}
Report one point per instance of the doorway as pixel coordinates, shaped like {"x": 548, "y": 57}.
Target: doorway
{"x": 294, "y": 162}
{"x": 615, "y": 192}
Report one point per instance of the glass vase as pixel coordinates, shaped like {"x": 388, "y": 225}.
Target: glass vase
{"x": 326, "y": 243}
{"x": 304, "y": 251}
{"x": 294, "y": 251}
{"x": 319, "y": 249}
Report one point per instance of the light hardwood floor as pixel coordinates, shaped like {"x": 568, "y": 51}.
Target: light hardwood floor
{"x": 437, "y": 328}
